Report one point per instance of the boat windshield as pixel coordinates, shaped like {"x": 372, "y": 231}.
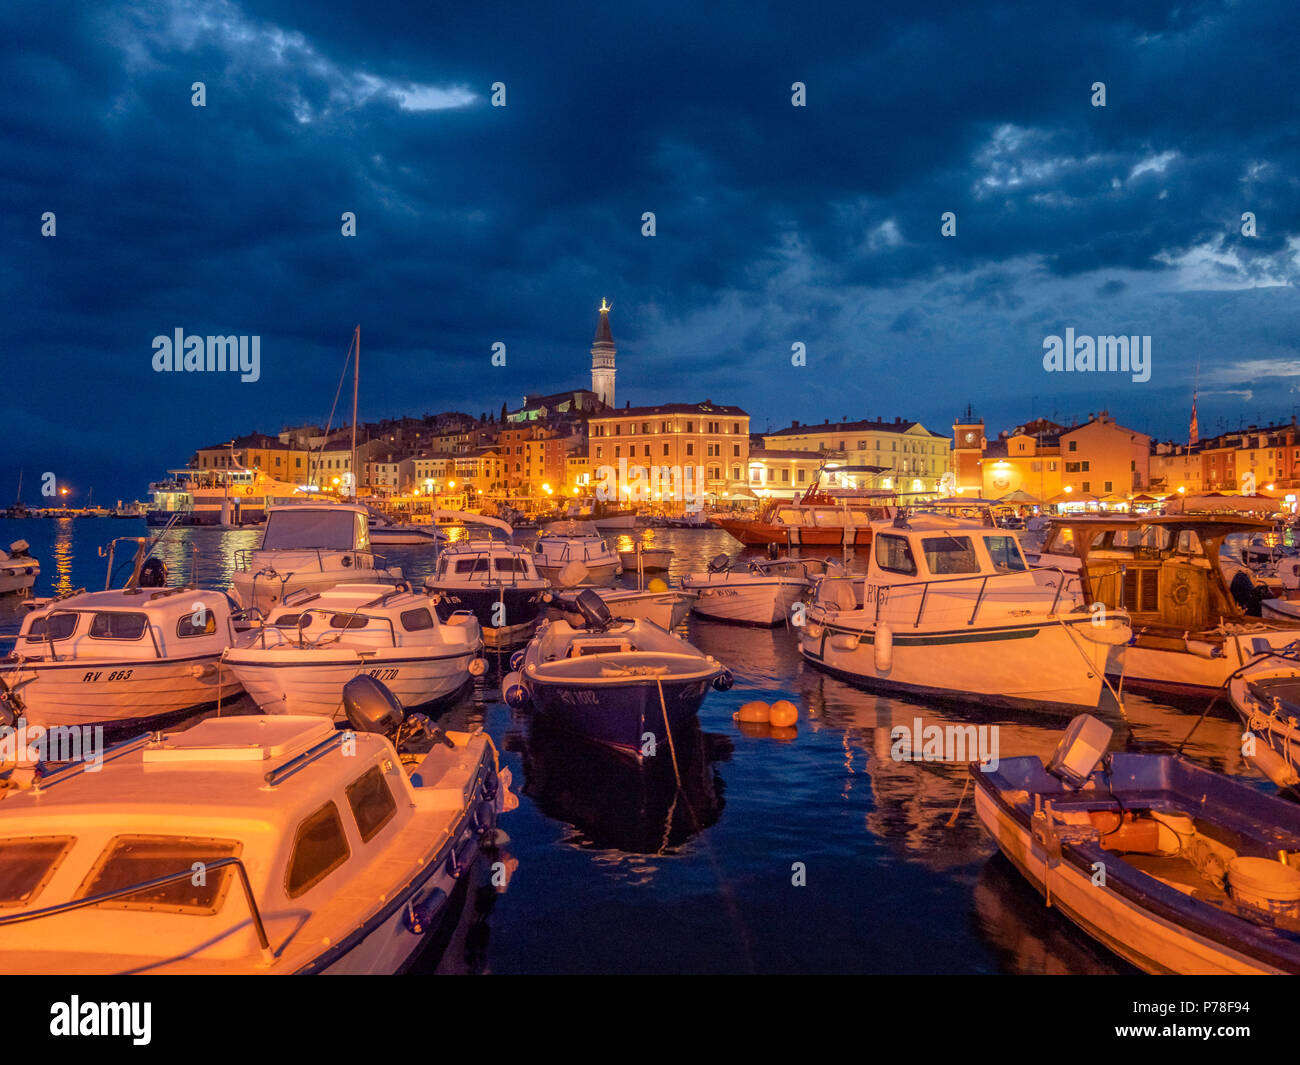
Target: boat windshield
{"x": 950, "y": 554}
{"x": 1005, "y": 553}
{"x": 333, "y": 530}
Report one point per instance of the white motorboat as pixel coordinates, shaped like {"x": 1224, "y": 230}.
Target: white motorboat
{"x": 307, "y": 547}
{"x": 667, "y": 608}
{"x": 245, "y": 845}
{"x": 121, "y": 656}
{"x": 385, "y": 533}
{"x": 315, "y": 642}
{"x": 495, "y": 581}
{"x": 563, "y": 543}
{"x": 755, "y": 592}
{"x": 949, "y": 607}
{"x": 18, "y": 569}
{"x": 612, "y": 680}
{"x": 1266, "y": 696}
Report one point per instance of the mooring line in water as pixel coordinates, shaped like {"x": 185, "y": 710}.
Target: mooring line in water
{"x": 952, "y": 820}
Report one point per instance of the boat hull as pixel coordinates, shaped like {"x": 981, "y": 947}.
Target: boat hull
{"x": 1182, "y": 674}
{"x": 620, "y": 715}
{"x": 764, "y": 602}
{"x": 293, "y": 681}
{"x": 1034, "y": 665}
{"x": 597, "y": 572}
{"x": 523, "y": 610}
{"x": 119, "y": 692}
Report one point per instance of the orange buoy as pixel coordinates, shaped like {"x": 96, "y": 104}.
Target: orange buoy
{"x": 754, "y": 712}
{"x": 783, "y": 714}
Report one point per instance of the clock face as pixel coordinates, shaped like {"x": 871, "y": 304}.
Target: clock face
{"x": 970, "y": 438}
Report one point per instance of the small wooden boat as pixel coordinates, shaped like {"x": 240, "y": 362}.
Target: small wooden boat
{"x": 753, "y": 592}
{"x": 564, "y": 543}
{"x": 1172, "y": 867}
{"x": 246, "y": 845}
{"x": 122, "y": 656}
{"x": 315, "y": 642}
{"x": 667, "y": 608}
{"x": 613, "y": 681}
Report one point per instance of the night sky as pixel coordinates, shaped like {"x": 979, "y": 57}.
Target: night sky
{"x": 775, "y": 224}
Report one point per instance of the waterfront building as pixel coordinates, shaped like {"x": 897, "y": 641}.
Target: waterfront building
{"x": 910, "y": 458}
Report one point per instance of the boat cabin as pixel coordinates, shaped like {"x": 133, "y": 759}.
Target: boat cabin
{"x": 475, "y": 562}
{"x": 1165, "y": 571}
{"x": 926, "y": 547}
{"x": 332, "y": 527}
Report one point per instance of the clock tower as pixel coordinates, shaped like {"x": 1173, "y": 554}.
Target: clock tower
{"x": 968, "y": 443}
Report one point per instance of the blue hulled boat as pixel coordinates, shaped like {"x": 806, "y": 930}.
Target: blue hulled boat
{"x": 612, "y": 680}
{"x": 1172, "y": 867}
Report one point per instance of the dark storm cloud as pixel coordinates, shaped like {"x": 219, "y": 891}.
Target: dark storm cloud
{"x": 775, "y": 224}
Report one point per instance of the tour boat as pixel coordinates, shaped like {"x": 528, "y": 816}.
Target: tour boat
{"x": 218, "y": 498}
{"x": 497, "y": 582}
{"x": 1174, "y": 868}
{"x": 121, "y": 656}
{"x": 307, "y": 547}
{"x": 692, "y": 519}
{"x": 245, "y": 845}
{"x": 755, "y": 592}
{"x": 1191, "y": 627}
{"x": 949, "y": 607}
{"x": 312, "y": 644}
{"x": 18, "y": 570}
{"x": 563, "y": 543}
{"x": 816, "y": 519}
{"x": 615, "y": 681}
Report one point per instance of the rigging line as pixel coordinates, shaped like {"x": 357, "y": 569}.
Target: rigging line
{"x": 338, "y": 392}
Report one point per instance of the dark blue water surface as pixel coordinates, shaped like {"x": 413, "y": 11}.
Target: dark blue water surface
{"x": 618, "y": 870}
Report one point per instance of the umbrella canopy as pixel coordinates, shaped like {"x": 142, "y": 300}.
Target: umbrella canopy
{"x": 1074, "y": 497}
{"x": 1021, "y": 496}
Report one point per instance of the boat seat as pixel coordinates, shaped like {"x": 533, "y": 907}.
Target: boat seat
{"x": 599, "y": 646}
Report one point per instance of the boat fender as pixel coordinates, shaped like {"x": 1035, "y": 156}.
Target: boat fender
{"x": 844, "y": 641}
{"x": 884, "y": 648}
{"x": 477, "y": 667}
{"x": 784, "y": 714}
{"x": 513, "y": 691}
{"x": 755, "y": 712}
{"x": 203, "y": 670}
{"x": 1274, "y": 766}
{"x": 517, "y": 659}
{"x": 813, "y": 630}
{"x": 723, "y": 681}
{"x": 1203, "y": 650}
{"x": 419, "y": 916}
{"x": 485, "y": 816}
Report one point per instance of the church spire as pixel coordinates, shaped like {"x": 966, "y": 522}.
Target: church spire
{"x": 602, "y": 358}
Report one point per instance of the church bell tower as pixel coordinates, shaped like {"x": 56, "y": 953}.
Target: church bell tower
{"x": 602, "y": 358}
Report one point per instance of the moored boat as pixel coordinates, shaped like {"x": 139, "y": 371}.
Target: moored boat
{"x": 495, "y": 581}
{"x": 667, "y": 608}
{"x": 752, "y": 592}
{"x": 626, "y": 684}
{"x": 298, "y": 661}
{"x": 563, "y": 543}
{"x": 307, "y": 547}
{"x": 1188, "y": 859}
{"x": 322, "y": 851}
{"x": 950, "y": 607}
{"x": 18, "y": 569}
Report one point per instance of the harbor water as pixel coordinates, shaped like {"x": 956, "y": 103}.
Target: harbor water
{"x": 817, "y": 853}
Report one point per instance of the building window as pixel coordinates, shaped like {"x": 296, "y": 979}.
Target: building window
{"x": 690, "y": 449}
{"x": 1087, "y": 486}
{"x": 735, "y": 451}
{"x": 1074, "y": 445}
{"x": 1108, "y": 486}
{"x": 785, "y": 476}
{"x": 665, "y": 450}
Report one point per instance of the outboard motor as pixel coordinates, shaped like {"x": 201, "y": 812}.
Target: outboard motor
{"x": 19, "y": 549}
{"x": 594, "y": 610}
{"x": 371, "y": 707}
{"x": 153, "y": 573}
{"x": 720, "y": 563}
{"x": 1080, "y": 750}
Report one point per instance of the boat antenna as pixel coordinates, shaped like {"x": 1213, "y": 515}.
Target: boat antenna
{"x": 356, "y": 383}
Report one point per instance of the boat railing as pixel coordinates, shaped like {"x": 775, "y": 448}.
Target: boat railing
{"x": 359, "y": 559}
{"x": 298, "y": 762}
{"x": 156, "y": 882}
{"x": 325, "y": 611}
{"x": 982, "y": 578}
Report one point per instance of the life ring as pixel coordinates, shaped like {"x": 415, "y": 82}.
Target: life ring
{"x": 1180, "y": 592}
{"x": 249, "y": 490}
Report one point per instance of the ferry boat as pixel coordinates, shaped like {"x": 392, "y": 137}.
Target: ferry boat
{"x": 307, "y": 547}
{"x": 817, "y": 519}
{"x": 563, "y": 543}
{"x": 751, "y": 592}
{"x": 949, "y": 607}
{"x": 610, "y": 680}
{"x": 122, "y": 656}
{"x": 18, "y": 569}
{"x": 1190, "y": 631}
{"x": 1199, "y": 868}
{"x": 226, "y": 497}
{"x": 298, "y": 661}
{"x": 497, "y": 582}
{"x": 324, "y": 851}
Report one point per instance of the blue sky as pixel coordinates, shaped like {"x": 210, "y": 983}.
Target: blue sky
{"x": 775, "y": 224}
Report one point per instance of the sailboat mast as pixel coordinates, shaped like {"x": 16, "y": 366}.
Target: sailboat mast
{"x": 356, "y": 382}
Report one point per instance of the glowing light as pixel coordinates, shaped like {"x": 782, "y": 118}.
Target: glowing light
{"x": 1181, "y": 488}
{"x": 451, "y": 484}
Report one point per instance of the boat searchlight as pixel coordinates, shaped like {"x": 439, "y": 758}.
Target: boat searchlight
{"x": 1080, "y": 750}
